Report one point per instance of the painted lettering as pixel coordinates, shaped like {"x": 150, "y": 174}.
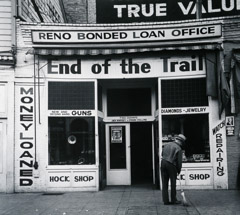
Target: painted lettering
{"x": 59, "y": 179}
{"x": 25, "y": 182}
{"x": 219, "y": 152}
{"x": 64, "y": 68}
{"x": 29, "y": 164}
{"x": 25, "y": 137}
{"x": 54, "y": 36}
{"x": 194, "y": 64}
{"x": 26, "y": 127}
{"x": 199, "y": 176}
{"x": 128, "y": 67}
{"x": 81, "y": 113}
{"x": 218, "y": 127}
{"x": 83, "y": 178}
{"x": 144, "y": 10}
{"x": 148, "y": 34}
{"x": 210, "y": 7}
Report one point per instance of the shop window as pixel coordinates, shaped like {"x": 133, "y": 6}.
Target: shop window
{"x": 71, "y": 95}
{"x": 184, "y": 93}
{"x": 129, "y": 102}
{"x": 72, "y": 140}
{"x": 195, "y": 128}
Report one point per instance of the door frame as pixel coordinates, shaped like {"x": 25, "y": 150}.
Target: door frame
{"x": 118, "y": 176}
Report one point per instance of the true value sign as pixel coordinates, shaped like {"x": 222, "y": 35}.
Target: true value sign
{"x": 126, "y": 35}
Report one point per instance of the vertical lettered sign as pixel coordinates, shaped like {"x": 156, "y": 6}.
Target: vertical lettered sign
{"x": 24, "y": 137}
{"x": 220, "y": 155}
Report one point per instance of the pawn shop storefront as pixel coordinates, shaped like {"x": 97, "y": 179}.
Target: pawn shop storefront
{"x": 99, "y": 116}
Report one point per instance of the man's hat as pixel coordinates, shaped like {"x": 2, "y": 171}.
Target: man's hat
{"x": 181, "y": 137}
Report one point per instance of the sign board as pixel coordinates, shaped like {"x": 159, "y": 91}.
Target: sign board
{"x": 69, "y": 113}
{"x": 230, "y": 125}
{"x": 185, "y": 110}
{"x": 161, "y": 66}
{"x": 71, "y": 179}
{"x": 219, "y": 154}
{"x": 24, "y": 138}
{"x": 130, "y": 119}
{"x": 196, "y": 177}
{"x": 127, "y": 11}
{"x": 125, "y": 35}
{"x": 84, "y": 179}
{"x": 116, "y": 134}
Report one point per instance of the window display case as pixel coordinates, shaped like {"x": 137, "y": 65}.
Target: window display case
{"x": 195, "y": 128}
{"x": 72, "y": 141}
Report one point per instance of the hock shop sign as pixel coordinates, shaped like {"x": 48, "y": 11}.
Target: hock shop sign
{"x": 126, "y": 67}
{"x": 126, "y": 11}
{"x": 125, "y": 35}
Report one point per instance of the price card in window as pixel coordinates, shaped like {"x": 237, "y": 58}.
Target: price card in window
{"x": 116, "y": 134}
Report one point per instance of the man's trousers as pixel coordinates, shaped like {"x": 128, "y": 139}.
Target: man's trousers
{"x": 168, "y": 171}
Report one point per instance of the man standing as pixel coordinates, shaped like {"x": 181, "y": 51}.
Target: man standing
{"x": 171, "y": 165}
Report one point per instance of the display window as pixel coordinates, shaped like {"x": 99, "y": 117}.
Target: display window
{"x": 72, "y": 141}
{"x": 195, "y": 128}
{"x": 71, "y": 123}
{"x": 185, "y": 110}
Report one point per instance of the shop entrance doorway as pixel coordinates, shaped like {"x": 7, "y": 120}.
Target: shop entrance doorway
{"x": 129, "y": 153}
{"x": 118, "y": 154}
{"x": 141, "y": 153}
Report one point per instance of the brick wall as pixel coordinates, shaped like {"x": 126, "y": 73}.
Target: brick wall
{"x": 233, "y": 157}
{"x": 76, "y": 11}
{"x": 231, "y": 34}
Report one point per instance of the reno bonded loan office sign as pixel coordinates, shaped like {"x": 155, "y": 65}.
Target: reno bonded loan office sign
{"x": 125, "y": 35}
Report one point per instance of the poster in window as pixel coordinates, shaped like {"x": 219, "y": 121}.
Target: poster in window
{"x": 116, "y": 134}
{"x": 230, "y": 125}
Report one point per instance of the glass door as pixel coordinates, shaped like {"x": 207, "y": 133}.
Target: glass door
{"x": 118, "y": 154}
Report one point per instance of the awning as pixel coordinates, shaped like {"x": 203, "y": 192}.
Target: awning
{"x": 68, "y": 51}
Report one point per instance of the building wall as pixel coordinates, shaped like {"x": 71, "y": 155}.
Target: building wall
{"x": 6, "y": 23}
{"x": 231, "y": 32}
{"x": 87, "y": 14}
{"x": 41, "y": 11}
{"x": 25, "y": 71}
{"x": 76, "y": 11}
{"x": 233, "y": 152}
{"x": 7, "y": 42}
{"x": 80, "y": 11}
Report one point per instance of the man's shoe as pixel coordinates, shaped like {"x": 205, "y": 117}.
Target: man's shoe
{"x": 167, "y": 203}
{"x": 176, "y": 202}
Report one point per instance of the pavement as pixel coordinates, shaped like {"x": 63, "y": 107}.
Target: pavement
{"x": 120, "y": 200}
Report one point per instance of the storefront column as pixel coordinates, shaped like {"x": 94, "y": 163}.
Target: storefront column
{"x": 10, "y": 140}
{"x": 219, "y": 149}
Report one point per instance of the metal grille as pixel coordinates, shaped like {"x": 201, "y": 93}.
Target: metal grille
{"x": 184, "y": 93}
{"x": 71, "y": 95}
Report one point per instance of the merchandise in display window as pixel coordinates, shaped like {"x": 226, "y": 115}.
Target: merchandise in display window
{"x": 71, "y": 141}
{"x": 195, "y": 128}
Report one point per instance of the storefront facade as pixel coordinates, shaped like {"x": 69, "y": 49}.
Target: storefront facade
{"x": 93, "y": 114}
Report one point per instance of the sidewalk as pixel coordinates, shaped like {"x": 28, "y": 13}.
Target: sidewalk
{"x": 120, "y": 201}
